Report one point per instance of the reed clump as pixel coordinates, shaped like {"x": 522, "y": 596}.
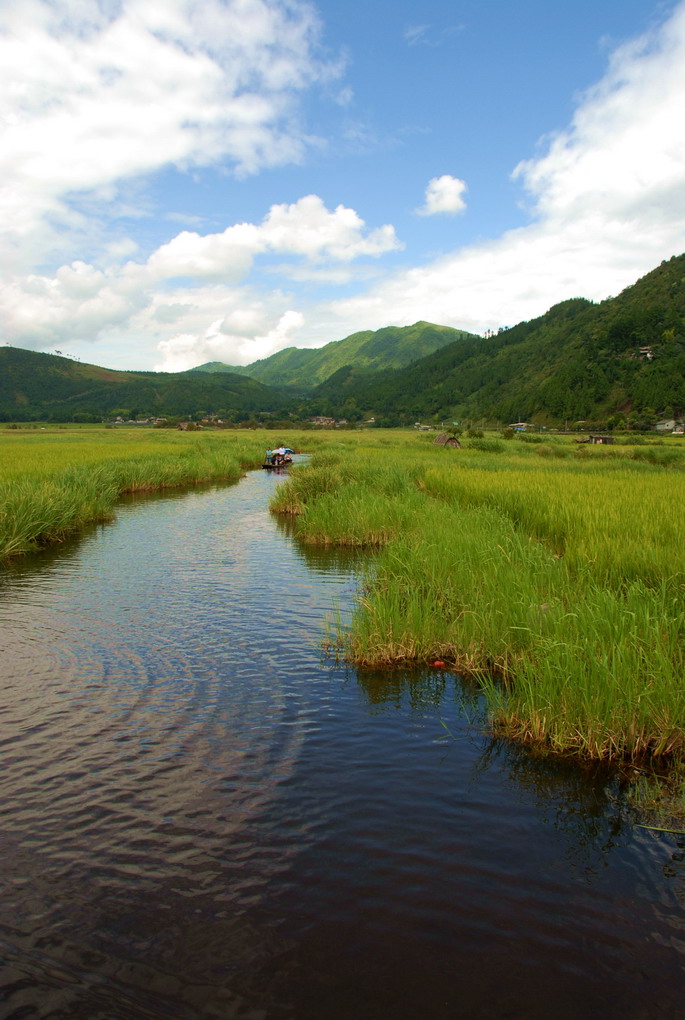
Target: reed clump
{"x": 53, "y": 484}
{"x": 559, "y": 580}
{"x": 39, "y": 511}
{"x": 338, "y": 502}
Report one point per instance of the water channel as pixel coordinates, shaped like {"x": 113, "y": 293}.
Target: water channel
{"x": 202, "y": 817}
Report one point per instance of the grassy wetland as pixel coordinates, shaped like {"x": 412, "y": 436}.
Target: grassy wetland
{"x": 554, "y": 572}
{"x": 54, "y": 482}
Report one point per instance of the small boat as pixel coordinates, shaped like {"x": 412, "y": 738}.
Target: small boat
{"x": 280, "y": 458}
{"x": 284, "y": 462}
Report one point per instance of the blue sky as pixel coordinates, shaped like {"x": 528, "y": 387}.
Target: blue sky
{"x": 185, "y": 182}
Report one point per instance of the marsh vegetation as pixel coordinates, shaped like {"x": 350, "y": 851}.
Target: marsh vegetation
{"x": 554, "y": 572}
{"x": 54, "y": 482}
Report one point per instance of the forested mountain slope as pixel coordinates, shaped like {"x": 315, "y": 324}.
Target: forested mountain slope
{"x": 37, "y": 386}
{"x": 578, "y": 361}
{"x": 368, "y": 351}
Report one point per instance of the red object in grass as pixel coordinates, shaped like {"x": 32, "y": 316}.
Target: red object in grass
{"x": 439, "y": 662}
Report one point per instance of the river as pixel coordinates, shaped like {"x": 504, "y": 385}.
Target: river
{"x": 203, "y": 817}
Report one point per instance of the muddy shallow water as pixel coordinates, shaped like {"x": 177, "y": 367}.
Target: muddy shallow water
{"x": 201, "y": 817}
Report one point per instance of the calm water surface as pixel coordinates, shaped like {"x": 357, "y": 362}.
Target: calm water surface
{"x": 201, "y": 818}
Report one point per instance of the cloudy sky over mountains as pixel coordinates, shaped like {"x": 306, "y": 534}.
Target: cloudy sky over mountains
{"x": 189, "y": 181}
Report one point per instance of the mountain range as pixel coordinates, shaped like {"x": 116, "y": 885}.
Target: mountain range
{"x": 40, "y": 387}
{"x": 392, "y": 347}
{"x": 624, "y": 356}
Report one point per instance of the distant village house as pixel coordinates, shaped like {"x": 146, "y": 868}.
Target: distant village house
{"x": 670, "y": 425}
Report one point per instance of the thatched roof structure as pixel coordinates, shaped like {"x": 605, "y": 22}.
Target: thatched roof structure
{"x": 445, "y": 439}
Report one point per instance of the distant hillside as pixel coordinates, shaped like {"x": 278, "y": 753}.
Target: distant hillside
{"x": 39, "y": 386}
{"x": 217, "y": 366}
{"x": 578, "y": 361}
{"x": 368, "y": 351}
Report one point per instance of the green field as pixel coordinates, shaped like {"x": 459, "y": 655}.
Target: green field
{"x": 553, "y": 572}
{"x": 53, "y": 482}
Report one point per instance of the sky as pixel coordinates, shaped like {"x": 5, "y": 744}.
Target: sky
{"x": 184, "y": 181}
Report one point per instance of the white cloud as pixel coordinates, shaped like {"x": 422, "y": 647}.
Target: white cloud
{"x": 192, "y": 283}
{"x": 95, "y": 94}
{"x": 236, "y": 339}
{"x": 304, "y": 228}
{"x": 307, "y": 228}
{"x": 608, "y": 204}
{"x": 444, "y": 194}
{"x": 226, "y": 256}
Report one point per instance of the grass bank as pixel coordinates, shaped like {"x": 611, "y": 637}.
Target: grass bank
{"x": 557, "y": 577}
{"x": 53, "y": 483}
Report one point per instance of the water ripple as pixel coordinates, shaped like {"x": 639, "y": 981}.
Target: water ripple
{"x": 199, "y": 818}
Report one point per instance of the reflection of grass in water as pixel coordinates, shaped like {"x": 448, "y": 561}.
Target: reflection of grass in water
{"x": 660, "y": 799}
{"x": 562, "y": 578}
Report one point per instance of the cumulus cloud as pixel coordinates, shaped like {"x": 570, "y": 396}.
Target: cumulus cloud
{"x": 607, "y": 204}
{"x": 236, "y": 339}
{"x": 606, "y": 196}
{"x": 78, "y": 303}
{"x": 190, "y": 281}
{"x": 307, "y": 228}
{"x": 444, "y": 194}
{"x": 96, "y": 94}
{"x": 304, "y": 228}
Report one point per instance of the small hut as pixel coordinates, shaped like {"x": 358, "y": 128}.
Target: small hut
{"x": 445, "y": 439}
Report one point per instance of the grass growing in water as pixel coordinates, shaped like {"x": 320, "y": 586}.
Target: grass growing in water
{"x": 559, "y": 579}
{"x": 54, "y": 483}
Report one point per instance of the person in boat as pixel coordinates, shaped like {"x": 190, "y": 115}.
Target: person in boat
{"x": 281, "y": 455}
{"x": 276, "y": 458}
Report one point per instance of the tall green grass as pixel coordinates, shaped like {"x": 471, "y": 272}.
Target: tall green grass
{"x": 340, "y": 501}
{"x": 53, "y": 484}
{"x": 614, "y": 520}
{"x": 559, "y": 580}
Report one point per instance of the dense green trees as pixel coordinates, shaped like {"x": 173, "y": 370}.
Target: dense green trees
{"x": 44, "y": 386}
{"x": 580, "y": 361}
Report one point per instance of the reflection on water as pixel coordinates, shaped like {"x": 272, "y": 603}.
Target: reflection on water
{"x": 322, "y": 559}
{"x": 201, "y": 817}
